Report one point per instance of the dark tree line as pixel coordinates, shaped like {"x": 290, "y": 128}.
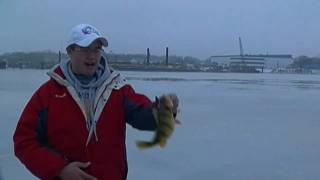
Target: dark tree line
{"x": 47, "y": 59}
{"x": 305, "y": 62}
{"x": 36, "y": 60}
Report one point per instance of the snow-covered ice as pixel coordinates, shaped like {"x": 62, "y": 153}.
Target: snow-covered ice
{"x": 234, "y": 126}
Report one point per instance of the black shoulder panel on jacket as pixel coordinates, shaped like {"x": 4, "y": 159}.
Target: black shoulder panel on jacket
{"x": 139, "y": 117}
{"x": 42, "y": 127}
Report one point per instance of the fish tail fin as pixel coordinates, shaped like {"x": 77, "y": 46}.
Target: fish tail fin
{"x": 144, "y": 144}
{"x": 162, "y": 144}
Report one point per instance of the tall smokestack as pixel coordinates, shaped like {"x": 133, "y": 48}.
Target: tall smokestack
{"x": 148, "y": 56}
{"x": 167, "y": 56}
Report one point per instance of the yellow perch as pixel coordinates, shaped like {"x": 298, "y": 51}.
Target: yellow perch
{"x": 166, "y": 124}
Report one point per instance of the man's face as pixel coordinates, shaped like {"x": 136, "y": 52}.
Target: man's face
{"x": 85, "y": 60}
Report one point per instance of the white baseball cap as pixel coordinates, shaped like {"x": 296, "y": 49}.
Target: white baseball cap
{"x": 83, "y": 35}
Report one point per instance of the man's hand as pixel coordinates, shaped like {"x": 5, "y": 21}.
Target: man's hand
{"x": 175, "y": 109}
{"x": 175, "y": 101}
{"x": 73, "y": 171}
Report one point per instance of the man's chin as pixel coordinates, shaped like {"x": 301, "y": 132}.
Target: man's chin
{"x": 89, "y": 72}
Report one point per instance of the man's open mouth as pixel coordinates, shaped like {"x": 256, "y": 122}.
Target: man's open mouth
{"x": 89, "y": 64}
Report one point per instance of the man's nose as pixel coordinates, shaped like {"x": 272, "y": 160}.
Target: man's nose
{"x": 92, "y": 55}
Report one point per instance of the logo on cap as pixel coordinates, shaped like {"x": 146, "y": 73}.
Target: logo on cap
{"x": 89, "y": 30}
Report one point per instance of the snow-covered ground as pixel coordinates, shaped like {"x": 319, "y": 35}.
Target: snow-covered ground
{"x": 234, "y": 126}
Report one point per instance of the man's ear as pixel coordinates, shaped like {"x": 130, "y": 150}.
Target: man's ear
{"x": 69, "y": 49}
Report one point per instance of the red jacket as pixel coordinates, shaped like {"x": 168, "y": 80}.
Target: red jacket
{"x": 52, "y": 132}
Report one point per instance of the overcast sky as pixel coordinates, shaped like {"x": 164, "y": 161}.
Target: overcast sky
{"x": 199, "y": 28}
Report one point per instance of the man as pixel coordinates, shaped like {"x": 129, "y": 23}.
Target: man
{"x": 73, "y": 127}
